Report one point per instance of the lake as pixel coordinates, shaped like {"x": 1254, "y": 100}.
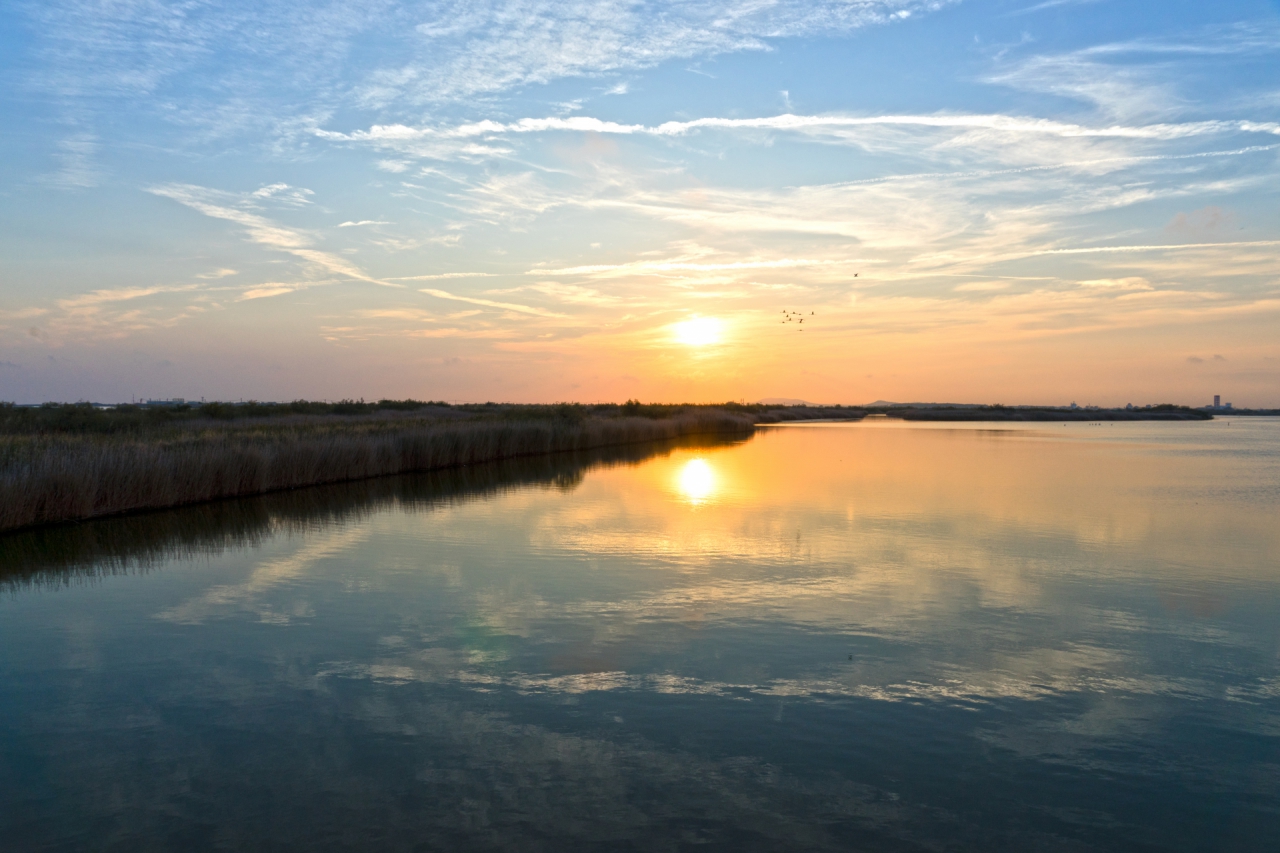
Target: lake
{"x": 875, "y": 636}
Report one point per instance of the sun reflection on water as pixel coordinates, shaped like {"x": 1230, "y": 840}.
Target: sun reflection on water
{"x": 697, "y": 481}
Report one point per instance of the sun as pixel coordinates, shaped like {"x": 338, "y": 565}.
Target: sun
{"x": 698, "y": 331}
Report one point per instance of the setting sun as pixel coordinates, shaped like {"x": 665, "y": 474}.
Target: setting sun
{"x": 698, "y": 332}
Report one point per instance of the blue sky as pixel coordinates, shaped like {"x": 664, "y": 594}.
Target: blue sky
{"x": 984, "y": 201}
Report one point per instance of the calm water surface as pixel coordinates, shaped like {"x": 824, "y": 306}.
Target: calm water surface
{"x": 830, "y": 637}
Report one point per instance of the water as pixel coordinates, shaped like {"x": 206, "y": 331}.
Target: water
{"x": 871, "y": 637}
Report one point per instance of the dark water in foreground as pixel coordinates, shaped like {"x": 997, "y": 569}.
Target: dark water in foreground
{"x": 871, "y": 637}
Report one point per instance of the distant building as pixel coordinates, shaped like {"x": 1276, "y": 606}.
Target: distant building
{"x": 1129, "y": 408}
{"x": 1073, "y": 405}
{"x": 1217, "y": 401}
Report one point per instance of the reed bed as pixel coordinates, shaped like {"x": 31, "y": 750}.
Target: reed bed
{"x": 68, "y": 554}
{"x": 46, "y": 479}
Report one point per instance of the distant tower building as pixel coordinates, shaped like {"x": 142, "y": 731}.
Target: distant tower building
{"x": 1217, "y": 401}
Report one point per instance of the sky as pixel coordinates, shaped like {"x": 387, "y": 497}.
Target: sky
{"x": 995, "y": 201}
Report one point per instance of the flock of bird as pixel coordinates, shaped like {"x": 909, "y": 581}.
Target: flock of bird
{"x": 794, "y": 317}
{"x": 797, "y": 317}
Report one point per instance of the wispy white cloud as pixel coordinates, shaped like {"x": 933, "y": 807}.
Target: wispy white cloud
{"x": 264, "y": 291}
{"x": 260, "y": 230}
{"x": 77, "y": 168}
{"x": 28, "y": 313}
{"x": 218, "y": 273}
{"x": 392, "y": 134}
{"x": 1013, "y": 135}
{"x": 571, "y": 294}
{"x": 470, "y": 47}
{"x": 668, "y": 266}
{"x": 1127, "y": 283}
{"x": 1072, "y": 165}
{"x": 1155, "y": 247}
{"x": 455, "y": 332}
{"x": 1256, "y": 36}
{"x": 114, "y": 312}
{"x": 282, "y": 194}
{"x": 123, "y": 294}
{"x": 449, "y": 51}
{"x": 1053, "y": 4}
{"x": 981, "y": 286}
{"x": 1132, "y": 79}
{"x": 220, "y": 205}
{"x": 1119, "y": 91}
{"x": 489, "y": 303}
{"x": 136, "y": 46}
{"x": 441, "y": 275}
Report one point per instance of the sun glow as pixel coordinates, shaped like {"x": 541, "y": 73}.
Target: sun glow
{"x": 698, "y": 332}
{"x": 697, "y": 481}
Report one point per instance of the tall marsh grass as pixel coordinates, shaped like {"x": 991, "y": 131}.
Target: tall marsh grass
{"x": 60, "y": 555}
{"x": 54, "y": 478}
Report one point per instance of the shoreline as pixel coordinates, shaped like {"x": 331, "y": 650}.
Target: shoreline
{"x": 69, "y": 464}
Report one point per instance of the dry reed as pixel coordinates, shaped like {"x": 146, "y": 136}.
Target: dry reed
{"x": 46, "y": 480}
{"x": 60, "y": 555}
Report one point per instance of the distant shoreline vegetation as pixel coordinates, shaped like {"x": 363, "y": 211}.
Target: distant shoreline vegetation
{"x": 997, "y": 412}
{"x": 69, "y": 462}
